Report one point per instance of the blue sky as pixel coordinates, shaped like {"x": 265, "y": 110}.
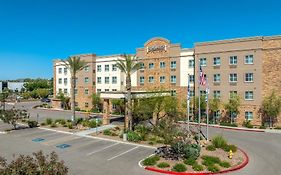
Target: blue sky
{"x": 33, "y": 33}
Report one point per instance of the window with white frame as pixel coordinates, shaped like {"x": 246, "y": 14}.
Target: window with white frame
{"x": 141, "y": 79}
{"x": 151, "y": 65}
{"x": 233, "y": 60}
{"x": 217, "y": 94}
{"x": 141, "y": 65}
{"x": 248, "y": 115}
{"x": 203, "y": 61}
{"x": 249, "y": 77}
{"x": 249, "y": 59}
{"x": 86, "y": 80}
{"x": 99, "y": 80}
{"x": 87, "y": 68}
{"x": 249, "y": 95}
{"x": 173, "y": 79}
{"x": 86, "y": 91}
{"x": 217, "y": 61}
{"x": 162, "y": 64}
{"x": 106, "y": 90}
{"x": 114, "y": 80}
{"x": 114, "y": 90}
{"x": 217, "y": 78}
{"x": 106, "y": 80}
{"x": 162, "y": 79}
{"x": 191, "y": 93}
{"x": 173, "y": 93}
{"x": 98, "y": 68}
{"x": 65, "y": 70}
{"x": 65, "y": 81}
{"x": 191, "y": 78}
{"x": 173, "y": 64}
{"x": 65, "y": 91}
{"x": 233, "y": 77}
{"x": 151, "y": 79}
{"x": 114, "y": 67}
{"x": 191, "y": 63}
{"x": 106, "y": 68}
{"x": 60, "y": 70}
{"x": 60, "y": 80}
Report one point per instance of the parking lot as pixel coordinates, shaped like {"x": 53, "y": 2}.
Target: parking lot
{"x": 81, "y": 154}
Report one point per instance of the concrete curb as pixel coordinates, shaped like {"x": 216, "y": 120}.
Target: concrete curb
{"x": 238, "y": 167}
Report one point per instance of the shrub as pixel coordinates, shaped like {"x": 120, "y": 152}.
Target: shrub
{"x": 179, "y": 147}
{"x": 190, "y": 161}
{"x": 211, "y": 148}
{"x": 247, "y": 124}
{"x": 62, "y": 121}
{"x": 150, "y": 161}
{"x": 70, "y": 126}
{"x": 210, "y": 160}
{"x": 179, "y": 167}
{"x": 85, "y": 123}
{"x": 213, "y": 168}
{"x": 53, "y": 125}
{"x": 114, "y": 134}
{"x": 228, "y": 124}
{"x": 43, "y": 124}
{"x": 224, "y": 164}
{"x": 92, "y": 124}
{"x": 151, "y": 143}
{"x": 65, "y": 125}
{"x": 219, "y": 142}
{"x": 107, "y": 132}
{"x": 197, "y": 167}
{"x": 142, "y": 131}
{"x": 278, "y": 127}
{"x": 32, "y": 123}
{"x": 227, "y": 148}
{"x": 192, "y": 151}
{"x": 57, "y": 121}
{"x": 133, "y": 136}
{"x": 79, "y": 120}
{"x": 77, "y": 109}
{"x": 49, "y": 121}
{"x": 262, "y": 127}
{"x": 163, "y": 165}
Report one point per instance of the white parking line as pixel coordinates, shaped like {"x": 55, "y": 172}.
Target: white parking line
{"x": 102, "y": 149}
{"x": 122, "y": 153}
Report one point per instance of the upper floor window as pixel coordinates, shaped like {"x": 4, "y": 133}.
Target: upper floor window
{"x": 162, "y": 79}
{"x": 86, "y": 80}
{"x": 114, "y": 80}
{"x": 65, "y": 81}
{"x": 191, "y": 78}
{"x": 191, "y": 63}
{"x": 99, "y": 68}
{"x": 60, "y": 90}
{"x": 99, "y": 80}
{"x": 142, "y": 80}
{"x": 114, "y": 90}
{"x": 249, "y": 77}
{"x": 114, "y": 67}
{"x": 106, "y": 68}
{"x": 203, "y": 61}
{"x": 217, "y": 61}
{"x": 65, "y": 91}
{"x": 217, "y": 78}
{"x": 249, "y": 95}
{"x": 87, "y": 68}
{"x": 191, "y": 93}
{"x": 151, "y": 65}
{"x": 217, "y": 94}
{"x": 248, "y": 115}
{"x": 60, "y": 81}
{"x": 98, "y": 90}
{"x": 60, "y": 70}
{"x": 162, "y": 64}
{"x": 233, "y": 77}
{"x": 233, "y": 60}
{"x": 106, "y": 80}
{"x": 151, "y": 79}
{"x": 86, "y": 104}
{"x": 106, "y": 90}
{"x": 173, "y": 64}
{"x": 141, "y": 65}
{"x": 249, "y": 59}
{"x": 86, "y": 91}
{"x": 173, "y": 79}
{"x": 65, "y": 70}
{"x": 173, "y": 93}
{"x": 75, "y": 91}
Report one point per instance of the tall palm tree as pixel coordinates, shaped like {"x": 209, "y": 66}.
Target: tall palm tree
{"x": 128, "y": 65}
{"x": 74, "y": 64}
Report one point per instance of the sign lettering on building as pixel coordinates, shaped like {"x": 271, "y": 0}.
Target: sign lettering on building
{"x": 160, "y": 48}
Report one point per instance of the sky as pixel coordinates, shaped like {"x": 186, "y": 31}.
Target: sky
{"x": 33, "y": 33}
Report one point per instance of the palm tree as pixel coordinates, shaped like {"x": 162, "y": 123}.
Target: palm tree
{"x": 74, "y": 64}
{"x": 129, "y": 65}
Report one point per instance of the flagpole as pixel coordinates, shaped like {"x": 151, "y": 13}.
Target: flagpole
{"x": 188, "y": 97}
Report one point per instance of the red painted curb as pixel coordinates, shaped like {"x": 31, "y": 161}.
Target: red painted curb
{"x": 242, "y": 165}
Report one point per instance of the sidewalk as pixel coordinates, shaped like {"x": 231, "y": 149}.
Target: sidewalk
{"x": 94, "y": 130}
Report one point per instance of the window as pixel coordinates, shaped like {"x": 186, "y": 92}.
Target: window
{"x": 191, "y": 63}
{"x": 60, "y": 81}
{"x": 142, "y": 80}
{"x": 249, "y": 59}
{"x": 65, "y": 91}
{"x": 86, "y": 91}
{"x": 249, "y": 95}
{"x": 106, "y": 68}
{"x": 173, "y": 79}
{"x": 173, "y": 64}
{"x": 151, "y": 79}
{"x": 99, "y": 68}
{"x": 191, "y": 78}
{"x": 86, "y": 79}
{"x": 87, "y": 68}
{"x": 232, "y": 94}
{"x": 217, "y": 115}
{"x": 162, "y": 79}
{"x": 233, "y": 60}
{"x": 75, "y": 91}
{"x": 114, "y": 90}
{"x": 65, "y": 81}
{"x": 217, "y": 78}
{"x": 86, "y": 104}
{"x": 217, "y": 94}
{"x": 75, "y": 81}
{"x": 114, "y": 67}
{"x": 249, "y": 77}
{"x": 203, "y": 61}
{"x": 65, "y": 70}
{"x": 248, "y": 115}
{"x": 106, "y": 80}
{"x": 99, "y": 80}
{"x": 98, "y": 90}
{"x": 191, "y": 93}
{"x": 233, "y": 77}
{"x": 60, "y": 90}
{"x": 106, "y": 90}
{"x": 217, "y": 61}
{"x": 141, "y": 65}
{"x": 60, "y": 70}
{"x": 202, "y": 92}
{"x": 151, "y": 65}
{"x": 173, "y": 93}
{"x": 162, "y": 64}
{"x": 114, "y": 80}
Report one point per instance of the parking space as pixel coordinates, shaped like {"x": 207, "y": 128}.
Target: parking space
{"x": 81, "y": 154}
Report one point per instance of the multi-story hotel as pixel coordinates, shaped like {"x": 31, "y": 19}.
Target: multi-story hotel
{"x": 248, "y": 67}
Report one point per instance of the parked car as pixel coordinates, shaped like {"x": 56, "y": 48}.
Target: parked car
{"x": 46, "y": 100}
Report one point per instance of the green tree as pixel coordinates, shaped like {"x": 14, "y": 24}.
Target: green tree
{"x": 120, "y": 105}
{"x": 232, "y": 107}
{"x": 128, "y": 66}
{"x": 11, "y": 116}
{"x": 214, "y": 106}
{"x": 42, "y": 93}
{"x": 34, "y": 84}
{"x": 38, "y": 163}
{"x": 74, "y": 64}
{"x": 3, "y": 97}
{"x": 194, "y": 102}
{"x": 271, "y": 107}
{"x": 96, "y": 101}
{"x": 64, "y": 101}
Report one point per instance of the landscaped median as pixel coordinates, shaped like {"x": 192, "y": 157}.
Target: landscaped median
{"x": 216, "y": 157}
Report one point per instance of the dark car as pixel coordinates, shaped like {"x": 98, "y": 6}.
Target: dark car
{"x": 46, "y": 100}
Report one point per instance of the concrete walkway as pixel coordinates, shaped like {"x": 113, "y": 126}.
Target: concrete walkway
{"x": 94, "y": 130}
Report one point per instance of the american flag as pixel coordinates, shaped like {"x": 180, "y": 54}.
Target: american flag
{"x": 202, "y": 80}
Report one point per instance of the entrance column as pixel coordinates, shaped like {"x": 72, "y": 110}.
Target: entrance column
{"x": 105, "y": 118}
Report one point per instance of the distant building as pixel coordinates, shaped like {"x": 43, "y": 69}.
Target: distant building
{"x": 14, "y": 86}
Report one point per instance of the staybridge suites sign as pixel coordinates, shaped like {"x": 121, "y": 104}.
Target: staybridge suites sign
{"x": 152, "y": 49}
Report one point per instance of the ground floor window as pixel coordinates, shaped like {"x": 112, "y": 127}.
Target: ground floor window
{"x": 86, "y": 105}
{"x": 248, "y": 115}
